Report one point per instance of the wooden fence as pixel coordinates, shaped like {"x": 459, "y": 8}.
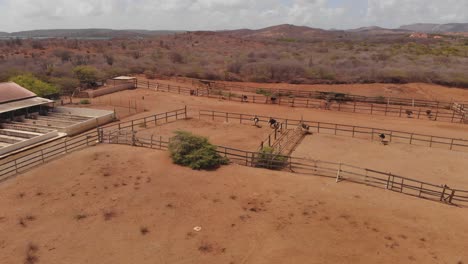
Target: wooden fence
{"x": 316, "y": 94}
{"x": 22, "y": 162}
{"x": 147, "y": 121}
{"x": 436, "y": 111}
{"x": 348, "y": 130}
{"x": 336, "y": 171}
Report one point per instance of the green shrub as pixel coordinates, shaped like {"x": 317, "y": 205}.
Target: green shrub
{"x": 267, "y": 159}
{"x": 35, "y": 85}
{"x": 85, "y": 101}
{"x": 194, "y": 151}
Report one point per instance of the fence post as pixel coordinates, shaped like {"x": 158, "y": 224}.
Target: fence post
{"x": 401, "y": 109}
{"x": 16, "y": 166}
{"x": 371, "y": 108}
{"x": 388, "y": 181}
{"x": 451, "y": 196}
{"x": 269, "y": 140}
{"x": 132, "y": 125}
{"x": 443, "y": 193}
{"x": 167, "y": 120}
{"x": 66, "y": 150}
{"x": 338, "y": 174}
{"x": 336, "y": 129}
{"x": 160, "y": 142}
{"x": 212, "y": 114}
{"x": 391, "y": 136}
{"x": 354, "y": 128}
{"x": 372, "y": 135}
{"x": 185, "y": 112}
{"x": 354, "y": 107}
{"x": 240, "y": 118}
{"x": 227, "y": 117}
{"x": 318, "y": 127}
{"x": 151, "y": 141}
{"x": 451, "y": 144}
{"x": 411, "y": 139}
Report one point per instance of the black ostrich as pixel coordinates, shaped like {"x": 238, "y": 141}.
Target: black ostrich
{"x": 273, "y": 123}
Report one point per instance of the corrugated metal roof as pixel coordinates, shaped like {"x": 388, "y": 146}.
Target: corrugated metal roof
{"x": 10, "y": 91}
{"x": 8, "y": 107}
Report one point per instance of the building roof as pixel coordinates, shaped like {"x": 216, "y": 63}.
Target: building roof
{"x": 10, "y": 92}
{"x": 20, "y": 104}
{"x": 124, "y": 78}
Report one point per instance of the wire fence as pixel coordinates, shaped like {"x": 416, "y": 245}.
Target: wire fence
{"x": 369, "y": 133}
{"x": 392, "y": 107}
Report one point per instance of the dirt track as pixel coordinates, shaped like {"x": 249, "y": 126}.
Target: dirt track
{"x": 247, "y": 216}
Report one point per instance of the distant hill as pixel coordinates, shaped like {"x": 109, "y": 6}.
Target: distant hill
{"x": 88, "y": 33}
{"x": 437, "y": 28}
{"x": 283, "y": 32}
{"x": 377, "y": 31}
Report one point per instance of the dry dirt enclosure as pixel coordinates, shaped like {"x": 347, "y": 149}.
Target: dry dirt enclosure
{"x": 434, "y": 165}
{"x": 120, "y": 204}
{"x": 228, "y": 134}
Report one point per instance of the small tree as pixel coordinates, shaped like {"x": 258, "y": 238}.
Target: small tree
{"x": 35, "y": 85}
{"x": 86, "y": 74}
{"x": 268, "y": 159}
{"x": 195, "y": 152}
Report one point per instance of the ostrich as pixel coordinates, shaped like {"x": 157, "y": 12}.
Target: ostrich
{"x": 429, "y": 114}
{"x": 273, "y": 100}
{"x": 273, "y": 123}
{"x": 409, "y": 113}
{"x": 256, "y": 121}
{"x": 244, "y": 98}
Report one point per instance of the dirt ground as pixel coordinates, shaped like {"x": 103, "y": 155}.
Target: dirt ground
{"x": 115, "y": 204}
{"x": 122, "y": 204}
{"x": 233, "y": 135}
{"x": 157, "y": 102}
{"x": 437, "y": 166}
{"x": 410, "y": 91}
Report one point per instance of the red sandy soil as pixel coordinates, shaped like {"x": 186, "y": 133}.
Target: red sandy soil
{"x": 157, "y": 102}
{"x": 410, "y": 91}
{"x": 234, "y": 135}
{"x": 92, "y": 206}
{"x": 437, "y": 166}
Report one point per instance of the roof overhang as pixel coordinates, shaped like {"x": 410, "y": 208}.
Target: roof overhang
{"x": 124, "y": 78}
{"x": 12, "y": 106}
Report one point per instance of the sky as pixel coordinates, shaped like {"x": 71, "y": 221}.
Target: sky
{"x": 18, "y": 15}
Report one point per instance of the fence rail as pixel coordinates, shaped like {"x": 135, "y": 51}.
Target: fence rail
{"x": 144, "y": 122}
{"x": 21, "y": 162}
{"x": 434, "y": 111}
{"x": 10, "y": 167}
{"x": 337, "y": 171}
{"x": 349, "y": 130}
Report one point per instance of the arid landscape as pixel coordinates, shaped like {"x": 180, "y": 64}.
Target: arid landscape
{"x": 121, "y": 204}
{"x": 233, "y": 132}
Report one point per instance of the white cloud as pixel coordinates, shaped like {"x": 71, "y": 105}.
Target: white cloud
{"x": 224, "y": 14}
{"x": 398, "y": 12}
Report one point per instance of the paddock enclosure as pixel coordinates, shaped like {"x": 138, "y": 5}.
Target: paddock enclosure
{"x": 329, "y": 189}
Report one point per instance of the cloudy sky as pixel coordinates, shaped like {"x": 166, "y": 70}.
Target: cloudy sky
{"x": 18, "y": 15}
